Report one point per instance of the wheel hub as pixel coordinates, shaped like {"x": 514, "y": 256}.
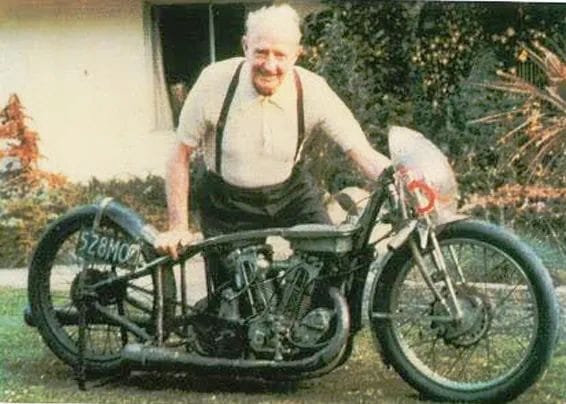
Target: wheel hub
{"x": 473, "y": 325}
{"x": 106, "y": 296}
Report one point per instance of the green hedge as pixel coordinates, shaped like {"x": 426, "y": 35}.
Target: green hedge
{"x": 24, "y": 216}
{"x": 411, "y": 63}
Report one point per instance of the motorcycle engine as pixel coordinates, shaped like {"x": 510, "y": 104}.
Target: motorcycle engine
{"x": 275, "y": 301}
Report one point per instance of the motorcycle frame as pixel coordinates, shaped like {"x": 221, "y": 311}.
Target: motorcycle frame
{"x": 362, "y": 280}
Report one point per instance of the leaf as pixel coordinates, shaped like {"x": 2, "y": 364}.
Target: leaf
{"x": 23, "y": 145}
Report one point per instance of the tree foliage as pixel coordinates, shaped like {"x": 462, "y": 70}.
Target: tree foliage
{"x": 20, "y": 152}
{"x": 410, "y": 63}
{"x": 538, "y": 122}
{"x": 24, "y": 206}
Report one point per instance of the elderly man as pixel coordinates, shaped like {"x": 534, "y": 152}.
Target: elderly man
{"x": 252, "y": 115}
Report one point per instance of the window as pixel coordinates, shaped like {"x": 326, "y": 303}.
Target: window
{"x": 185, "y": 39}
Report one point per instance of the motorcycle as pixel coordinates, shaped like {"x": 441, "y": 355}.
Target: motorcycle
{"x": 461, "y": 309}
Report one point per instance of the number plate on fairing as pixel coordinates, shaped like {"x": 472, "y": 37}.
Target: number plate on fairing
{"x": 101, "y": 248}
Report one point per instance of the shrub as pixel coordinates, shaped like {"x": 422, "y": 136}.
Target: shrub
{"x": 408, "y": 63}
{"x": 536, "y": 125}
{"x": 31, "y": 198}
{"x": 25, "y": 202}
{"x": 19, "y": 153}
{"x": 24, "y": 219}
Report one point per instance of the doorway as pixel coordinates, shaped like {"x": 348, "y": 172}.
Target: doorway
{"x": 192, "y": 36}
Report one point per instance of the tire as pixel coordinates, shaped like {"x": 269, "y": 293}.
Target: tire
{"x": 53, "y": 284}
{"x": 510, "y": 326}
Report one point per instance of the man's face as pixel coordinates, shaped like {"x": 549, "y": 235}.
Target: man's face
{"x": 270, "y": 59}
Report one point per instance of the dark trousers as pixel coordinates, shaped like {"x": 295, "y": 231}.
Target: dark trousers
{"x": 225, "y": 208}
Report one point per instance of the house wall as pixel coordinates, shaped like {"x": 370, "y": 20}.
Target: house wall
{"x": 83, "y": 70}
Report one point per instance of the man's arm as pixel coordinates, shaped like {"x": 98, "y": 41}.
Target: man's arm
{"x": 338, "y": 122}
{"x": 369, "y": 161}
{"x": 177, "y": 186}
{"x": 177, "y": 191}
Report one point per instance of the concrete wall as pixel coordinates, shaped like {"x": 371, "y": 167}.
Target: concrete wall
{"x": 82, "y": 70}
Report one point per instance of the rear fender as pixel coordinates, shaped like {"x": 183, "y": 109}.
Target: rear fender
{"x": 124, "y": 217}
{"x": 130, "y": 221}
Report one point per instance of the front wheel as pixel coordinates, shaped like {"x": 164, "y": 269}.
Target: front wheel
{"x": 509, "y": 327}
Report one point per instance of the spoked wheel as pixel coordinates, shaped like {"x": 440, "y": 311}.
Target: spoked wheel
{"x": 55, "y": 290}
{"x": 507, "y": 332}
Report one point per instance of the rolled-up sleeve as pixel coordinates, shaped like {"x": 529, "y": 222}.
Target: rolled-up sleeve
{"x": 337, "y": 121}
{"x": 192, "y": 121}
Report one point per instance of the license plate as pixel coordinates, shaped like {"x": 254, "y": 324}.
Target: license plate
{"x": 100, "y": 248}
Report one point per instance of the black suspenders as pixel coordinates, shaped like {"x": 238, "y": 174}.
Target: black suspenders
{"x": 220, "y": 125}
{"x": 300, "y": 114}
{"x": 223, "y": 115}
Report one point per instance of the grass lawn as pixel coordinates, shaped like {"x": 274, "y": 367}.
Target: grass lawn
{"x": 30, "y": 373}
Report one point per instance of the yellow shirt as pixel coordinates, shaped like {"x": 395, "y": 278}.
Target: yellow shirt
{"x": 260, "y": 136}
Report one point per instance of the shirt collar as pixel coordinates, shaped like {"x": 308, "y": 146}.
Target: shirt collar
{"x": 283, "y": 98}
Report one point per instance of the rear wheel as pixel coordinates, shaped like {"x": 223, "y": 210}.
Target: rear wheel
{"x": 54, "y": 292}
{"x": 510, "y": 317}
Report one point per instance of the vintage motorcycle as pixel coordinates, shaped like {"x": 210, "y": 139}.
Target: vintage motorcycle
{"x": 461, "y": 309}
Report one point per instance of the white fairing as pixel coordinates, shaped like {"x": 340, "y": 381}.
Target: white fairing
{"x": 422, "y": 160}
{"x": 411, "y": 151}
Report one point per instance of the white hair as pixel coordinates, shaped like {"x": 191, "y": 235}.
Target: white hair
{"x": 281, "y": 19}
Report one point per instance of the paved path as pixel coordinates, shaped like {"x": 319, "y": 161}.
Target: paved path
{"x": 196, "y": 283}
{"x": 14, "y": 278}
{"x": 196, "y": 287}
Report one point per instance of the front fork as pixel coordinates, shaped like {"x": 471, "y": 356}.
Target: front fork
{"x": 450, "y": 303}
{"x": 425, "y": 230}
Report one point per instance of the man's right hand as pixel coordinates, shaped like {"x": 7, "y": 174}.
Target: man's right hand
{"x": 171, "y": 241}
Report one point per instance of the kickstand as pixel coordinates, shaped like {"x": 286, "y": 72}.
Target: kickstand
{"x": 80, "y": 370}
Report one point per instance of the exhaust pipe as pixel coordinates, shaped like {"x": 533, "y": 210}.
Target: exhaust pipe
{"x": 70, "y": 316}
{"x": 67, "y": 316}
{"x": 145, "y": 357}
